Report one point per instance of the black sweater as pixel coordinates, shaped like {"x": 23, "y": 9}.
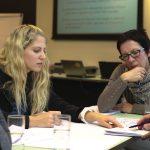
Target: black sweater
{"x": 55, "y": 103}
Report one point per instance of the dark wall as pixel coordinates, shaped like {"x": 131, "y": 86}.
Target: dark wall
{"x": 27, "y": 7}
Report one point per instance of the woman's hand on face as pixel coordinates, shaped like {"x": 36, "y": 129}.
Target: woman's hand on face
{"x": 134, "y": 75}
{"x": 44, "y": 119}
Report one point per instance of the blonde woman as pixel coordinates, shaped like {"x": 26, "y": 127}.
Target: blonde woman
{"x": 25, "y": 84}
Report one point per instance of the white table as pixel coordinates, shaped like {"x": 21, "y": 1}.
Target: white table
{"x": 83, "y": 136}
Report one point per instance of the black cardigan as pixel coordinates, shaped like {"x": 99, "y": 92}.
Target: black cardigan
{"x": 55, "y": 103}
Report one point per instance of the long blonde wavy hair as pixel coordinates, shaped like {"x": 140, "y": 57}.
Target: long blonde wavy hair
{"x": 12, "y": 61}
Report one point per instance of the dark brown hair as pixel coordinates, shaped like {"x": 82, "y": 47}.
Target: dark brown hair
{"x": 139, "y": 36}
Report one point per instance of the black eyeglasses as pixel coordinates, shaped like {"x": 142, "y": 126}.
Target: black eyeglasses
{"x": 134, "y": 53}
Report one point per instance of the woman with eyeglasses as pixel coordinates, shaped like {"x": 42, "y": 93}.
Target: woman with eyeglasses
{"x": 129, "y": 84}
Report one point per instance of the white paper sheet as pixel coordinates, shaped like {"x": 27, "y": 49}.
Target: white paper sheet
{"x": 125, "y": 132}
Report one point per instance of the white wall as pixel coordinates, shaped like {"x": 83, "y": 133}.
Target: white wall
{"x": 90, "y": 52}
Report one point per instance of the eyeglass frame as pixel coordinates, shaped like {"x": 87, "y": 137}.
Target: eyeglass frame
{"x": 131, "y": 53}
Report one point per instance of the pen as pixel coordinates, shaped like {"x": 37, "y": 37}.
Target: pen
{"x": 137, "y": 125}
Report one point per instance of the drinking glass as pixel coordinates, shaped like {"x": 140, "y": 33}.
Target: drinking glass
{"x": 62, "y": 125}
{"x": 16, "y": 127}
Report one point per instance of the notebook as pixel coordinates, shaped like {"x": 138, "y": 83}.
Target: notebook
{"x": 126, "y": 131}
{"x": 106, "y": 68}
{"x": 75, "y": 68}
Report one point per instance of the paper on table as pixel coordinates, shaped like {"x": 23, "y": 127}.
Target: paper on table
{"x": 39, "y": 137}
{"x": 125, "y": 132}
{"x": 127, "y": 122}
{"x": 80, "y": 133}
{"x": 16, "y": 129}
{"x": 16, "y": 133}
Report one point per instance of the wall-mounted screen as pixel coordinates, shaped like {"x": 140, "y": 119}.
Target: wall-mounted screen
{"x": 95, "y": 19}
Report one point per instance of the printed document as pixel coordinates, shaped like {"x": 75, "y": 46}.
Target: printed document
{"x": 126, "y": 131}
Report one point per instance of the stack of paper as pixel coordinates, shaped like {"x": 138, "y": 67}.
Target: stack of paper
{"x": 125, "y": 132}
{"x": 127, "y": 122}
